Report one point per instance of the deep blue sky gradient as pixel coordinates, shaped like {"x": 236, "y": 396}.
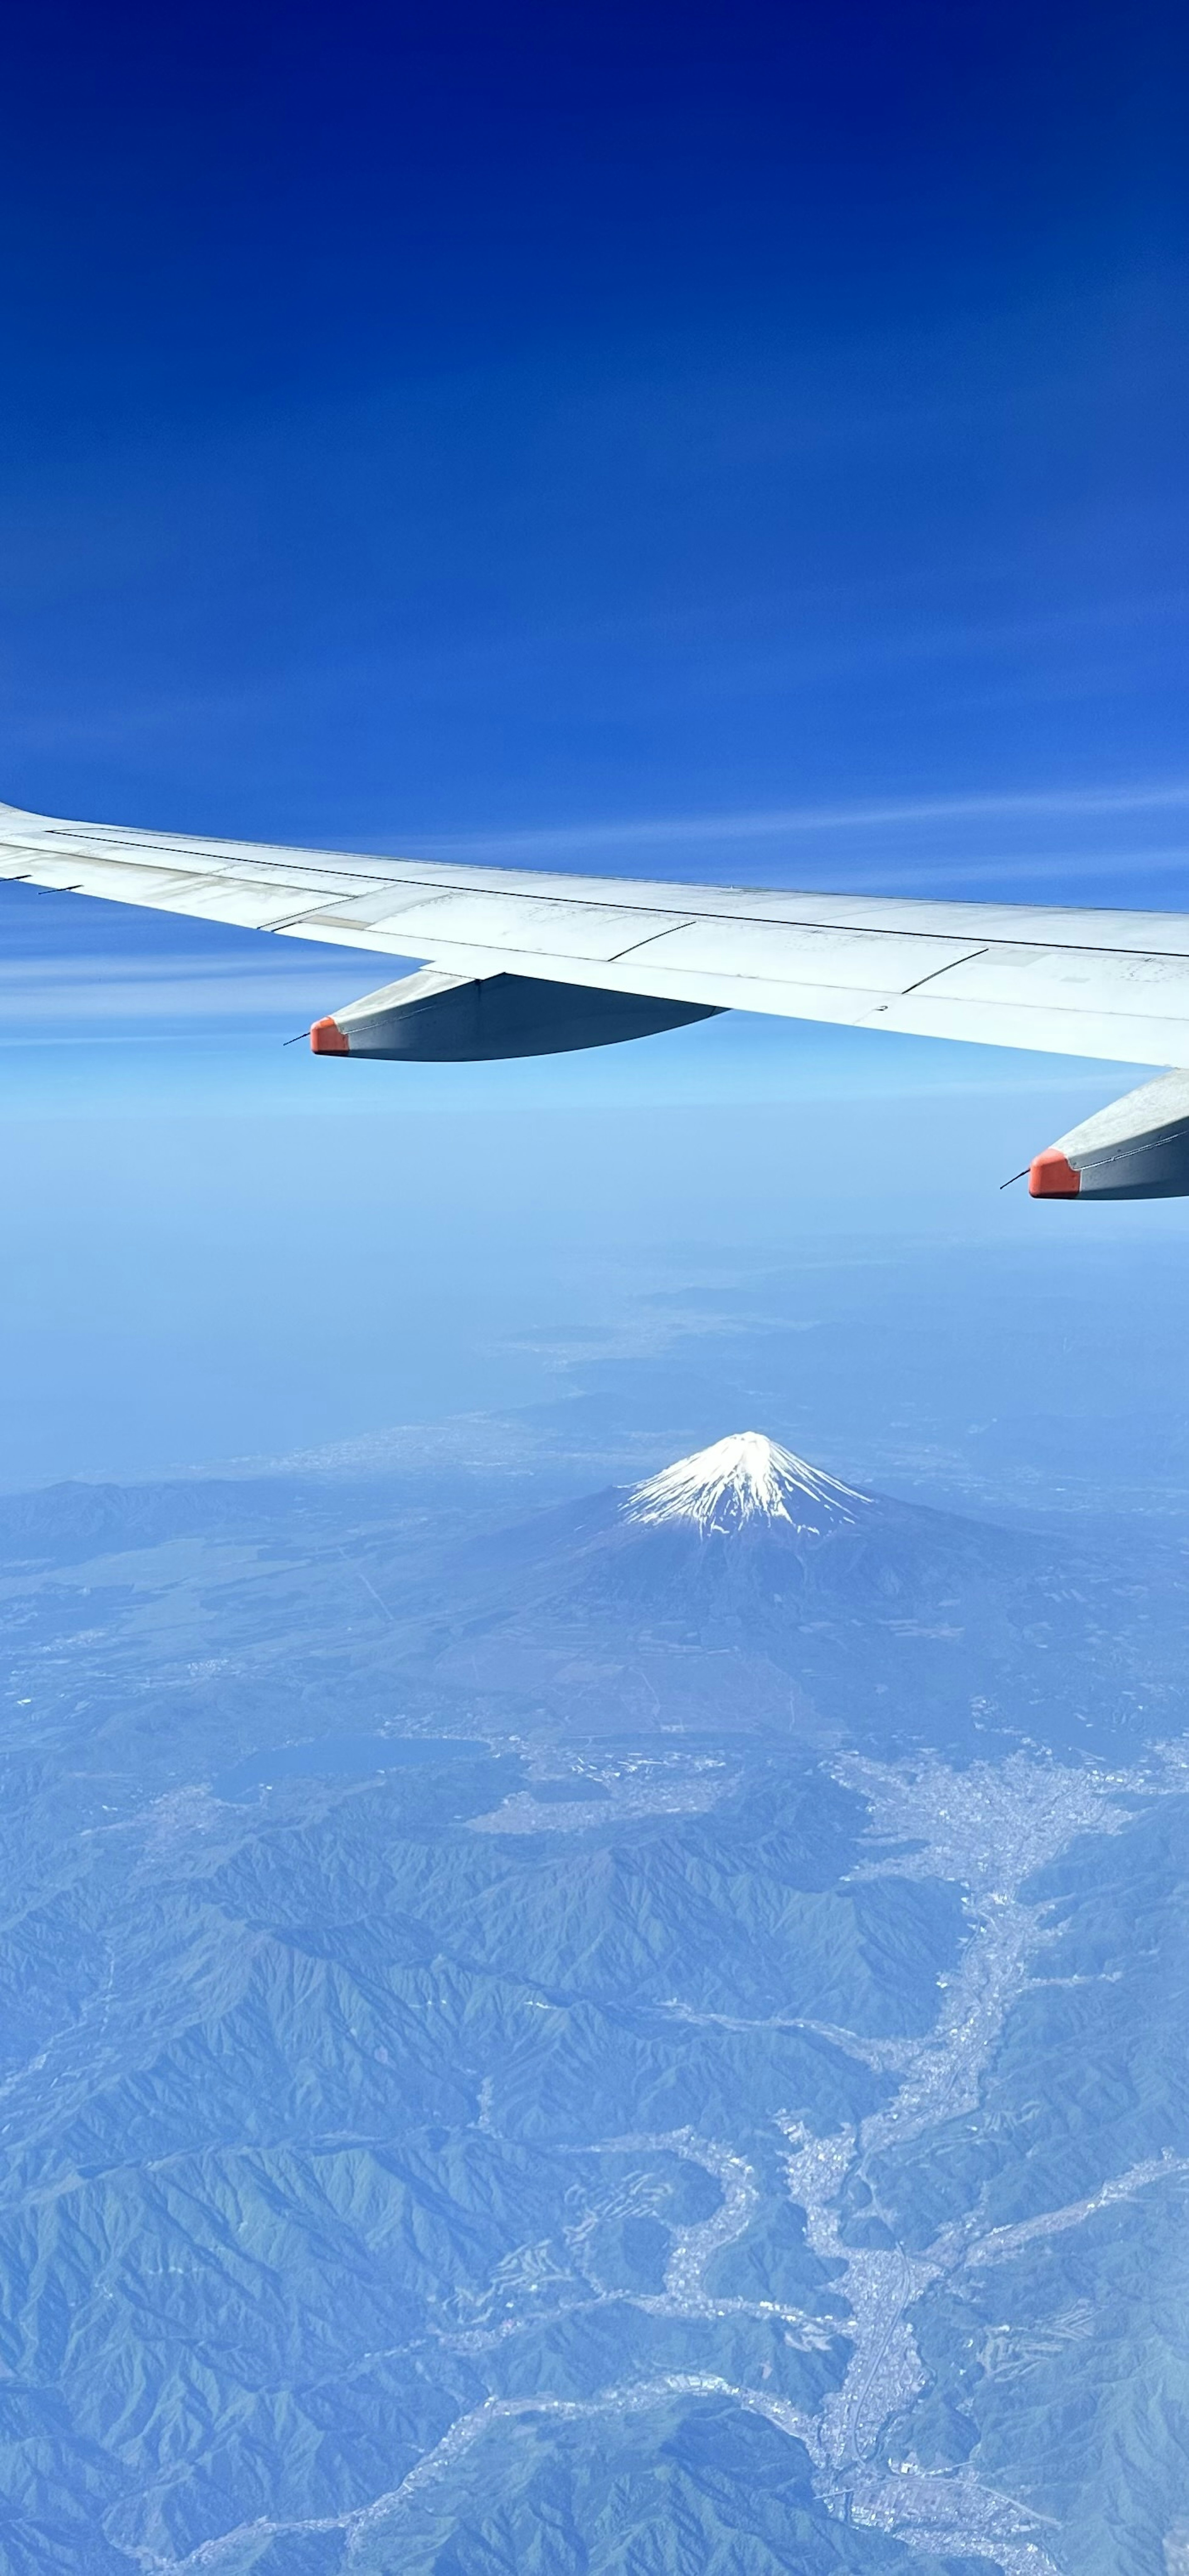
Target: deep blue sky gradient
{"x": 464, "y": 420}
{"x": 741, "y": 443}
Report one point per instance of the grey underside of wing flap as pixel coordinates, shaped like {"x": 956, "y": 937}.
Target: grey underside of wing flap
{"x": 435, "y": 1018}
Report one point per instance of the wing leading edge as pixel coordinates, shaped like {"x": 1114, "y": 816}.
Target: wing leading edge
{"x": 1060, "y": 980}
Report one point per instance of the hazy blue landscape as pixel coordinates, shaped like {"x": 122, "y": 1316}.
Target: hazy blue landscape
{"x": 549, "y": 2030}
{"x": 574, "y": 2002}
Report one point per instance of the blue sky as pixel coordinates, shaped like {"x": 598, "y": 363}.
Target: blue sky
{"x": 731, "y": 443}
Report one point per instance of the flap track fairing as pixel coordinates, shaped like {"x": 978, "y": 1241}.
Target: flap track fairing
{"x": 433, "y": 1018}
{"x": 1136, "y": 1149}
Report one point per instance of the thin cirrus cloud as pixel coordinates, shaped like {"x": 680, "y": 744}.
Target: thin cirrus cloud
{"x": 771, "y": 823}
{"x": 1099, "y": 843}
{"x": 85, "y": 997}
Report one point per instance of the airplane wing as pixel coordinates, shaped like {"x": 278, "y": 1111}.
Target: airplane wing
{"x": 523, "y": 962}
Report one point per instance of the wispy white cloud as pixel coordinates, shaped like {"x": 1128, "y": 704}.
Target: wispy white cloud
{"x": 98, "y": 995}
{"x": 1096, "y": 803}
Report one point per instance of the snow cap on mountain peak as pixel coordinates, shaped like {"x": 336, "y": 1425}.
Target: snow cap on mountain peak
{"x": 745, "y": 1478}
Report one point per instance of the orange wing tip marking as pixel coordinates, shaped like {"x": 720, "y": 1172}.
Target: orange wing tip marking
{"x": 1050, "y": 1176}
{"x": 326, "y": 1038}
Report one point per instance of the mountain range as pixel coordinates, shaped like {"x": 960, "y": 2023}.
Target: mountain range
{"x": 637, "y": 2034}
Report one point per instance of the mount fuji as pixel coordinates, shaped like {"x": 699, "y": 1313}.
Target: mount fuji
{"x": 745, "y": 1478}
{"x": 742, "y": 1582}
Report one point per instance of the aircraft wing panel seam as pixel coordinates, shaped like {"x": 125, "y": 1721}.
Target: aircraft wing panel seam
{"x": 935, "y": 971}
{"x": 331, "y": 874}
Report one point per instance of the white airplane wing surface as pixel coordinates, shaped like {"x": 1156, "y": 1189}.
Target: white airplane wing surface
{"x": 523, "y": 962}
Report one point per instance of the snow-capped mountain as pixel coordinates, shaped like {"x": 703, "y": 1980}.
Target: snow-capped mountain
{"x": 745, "y": 1478}
{"x": 739, "y": 1571}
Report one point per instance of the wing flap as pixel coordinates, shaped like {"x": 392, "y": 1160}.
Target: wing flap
{"x": 1070, "y": 979}
{"x": 1113, "y": 1037}
{"x": 240, "y": 902}
{"x": 864, "y": 961}
{"x": 427, "y": 921}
